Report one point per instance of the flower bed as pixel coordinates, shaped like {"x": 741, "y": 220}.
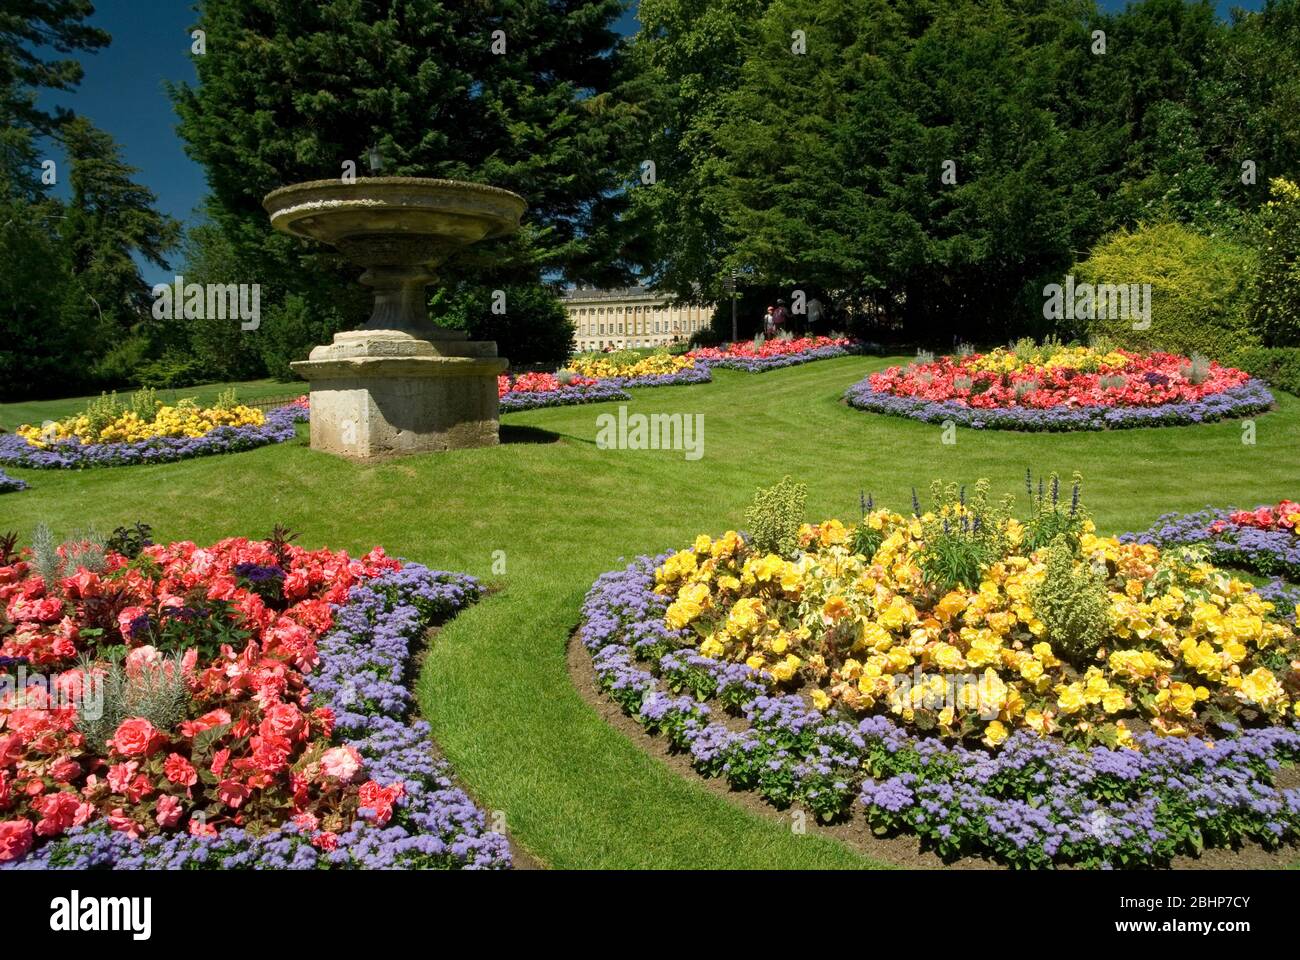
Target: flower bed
{"x": 658, "y": 369}
{"x": 258, "y": 718}
{"x": 1061, "y": 388}
{"x": 759, "y": 356}
{"x": 10, "y": 484}
{"x": 529, "y": 391}
{"x": 532, "y": 390}
{"x": 1265, "y": 540}
{"x": 174, "y": 433}
{"x": 1165, "y": 741}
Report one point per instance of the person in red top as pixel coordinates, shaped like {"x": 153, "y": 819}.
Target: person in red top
{"x": 781, "y": 317}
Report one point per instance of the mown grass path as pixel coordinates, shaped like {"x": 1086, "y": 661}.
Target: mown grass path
{"x": 575, "y": 792}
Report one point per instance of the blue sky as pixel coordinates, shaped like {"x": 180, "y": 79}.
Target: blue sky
{"x": 123, "y": 93}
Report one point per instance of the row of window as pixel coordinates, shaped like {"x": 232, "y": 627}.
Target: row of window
{"x": 591, "y": 322}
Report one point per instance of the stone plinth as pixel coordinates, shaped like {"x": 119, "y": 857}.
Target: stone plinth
{"x": 383, "y": 393}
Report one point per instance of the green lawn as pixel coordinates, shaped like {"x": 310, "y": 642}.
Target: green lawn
{"x": 16, "y": 414}
{"x": 575, "y": 792}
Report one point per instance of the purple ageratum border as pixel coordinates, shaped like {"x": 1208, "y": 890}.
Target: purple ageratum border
{"x": 10, "y": 484}
{"x": 764, "y": 364}
{"x": 699, "y": 373}
{"x": 364, "y": 661}
{"x": 563, "y": 397}
{"x": 1035, "y": 802}
{"x": 1251, "y": 397}
{"x": 1264, "y": 551}
{"x": 74, "y": 455}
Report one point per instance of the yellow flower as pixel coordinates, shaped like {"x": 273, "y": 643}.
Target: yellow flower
{"x": 785, "y": 670}
{"x": 947, "y": 657}
{"x": 820, "y": 700}
{"x": 1261, "y": 687}
{"x": 994, "y": 733}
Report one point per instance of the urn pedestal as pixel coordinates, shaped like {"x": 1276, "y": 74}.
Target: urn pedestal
{"x": 400, "y": 384}
{"x": 382, "y": 393}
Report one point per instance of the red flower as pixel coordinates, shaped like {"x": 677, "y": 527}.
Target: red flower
{"x": 379, "y": 800}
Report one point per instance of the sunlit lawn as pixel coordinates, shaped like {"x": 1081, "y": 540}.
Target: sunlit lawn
{"x": 575, "y": 792}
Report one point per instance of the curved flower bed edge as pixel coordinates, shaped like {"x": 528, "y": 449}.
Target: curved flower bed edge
{"x": 10, "y": 484}
{"x": 1253, "y": 396}
{"x": 73, "y": 455}
{"x": 1035, "y": 803}
{"x": 364, "y": 661}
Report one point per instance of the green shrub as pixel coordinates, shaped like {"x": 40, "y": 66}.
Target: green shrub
{"x": 1201, "y": 289}
{"x": 1280, "y": 366}
{"x": 774, "y": 518}
{"x": 1072, "y": 603}
{"x": 158, "y": 694}
{"x": 172, "y": 369}
{"x": 1052, "y": 514}
{"x": 963, "y": 537}
{"x": 1277, "y": 294}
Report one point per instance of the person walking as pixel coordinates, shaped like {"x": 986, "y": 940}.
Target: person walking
{"x": 781, "y": 317}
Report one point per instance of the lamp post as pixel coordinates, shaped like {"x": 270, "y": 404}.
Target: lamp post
{"x": 729, "y": 286}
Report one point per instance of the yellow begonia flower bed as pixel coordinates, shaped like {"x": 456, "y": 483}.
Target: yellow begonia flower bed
{"x": 600, "y": 368}
{"x": 181, "y": 420}
{"x": 1002, "y": 360}
{"x": 869, "y": 635}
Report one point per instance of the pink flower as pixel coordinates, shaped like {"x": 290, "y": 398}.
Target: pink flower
{"x": 213, "y": 718}
{"x": 120, "y": 774}
{"x": 16, "y": 838}
{"x": 168, "y": 811}
{"x": 282, "y": 720}
{"x": 127, "y": 617}
{"x": 137, "y": 737}
{"x": 119, "y": 821}
{"x": 65, "y": 770}
{"x": 219, "y": 761}
{"x": 233, "y": 793}
{"x": 341, "y": 763}
{"x": 201, "y": 828}
{"x": 59, "y": 811}
{"x": 141, "y": 659}
{"x": 180, "y": 771}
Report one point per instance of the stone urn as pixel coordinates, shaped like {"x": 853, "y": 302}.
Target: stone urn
{"x": 401, "y": 383}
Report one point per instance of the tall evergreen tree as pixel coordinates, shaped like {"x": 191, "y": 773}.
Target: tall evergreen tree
{"x": 517, "y": 94}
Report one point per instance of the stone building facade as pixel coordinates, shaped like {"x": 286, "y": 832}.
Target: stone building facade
{"x": 630, "y": 317}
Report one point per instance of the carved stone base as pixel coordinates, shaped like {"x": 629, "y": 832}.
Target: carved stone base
{"x": 382, "y": 393}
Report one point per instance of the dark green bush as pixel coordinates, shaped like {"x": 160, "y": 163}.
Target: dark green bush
{"x": 1279, "y": 366}
{"x": 172, "y": 369}
{"x": 1277, "y": 294}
